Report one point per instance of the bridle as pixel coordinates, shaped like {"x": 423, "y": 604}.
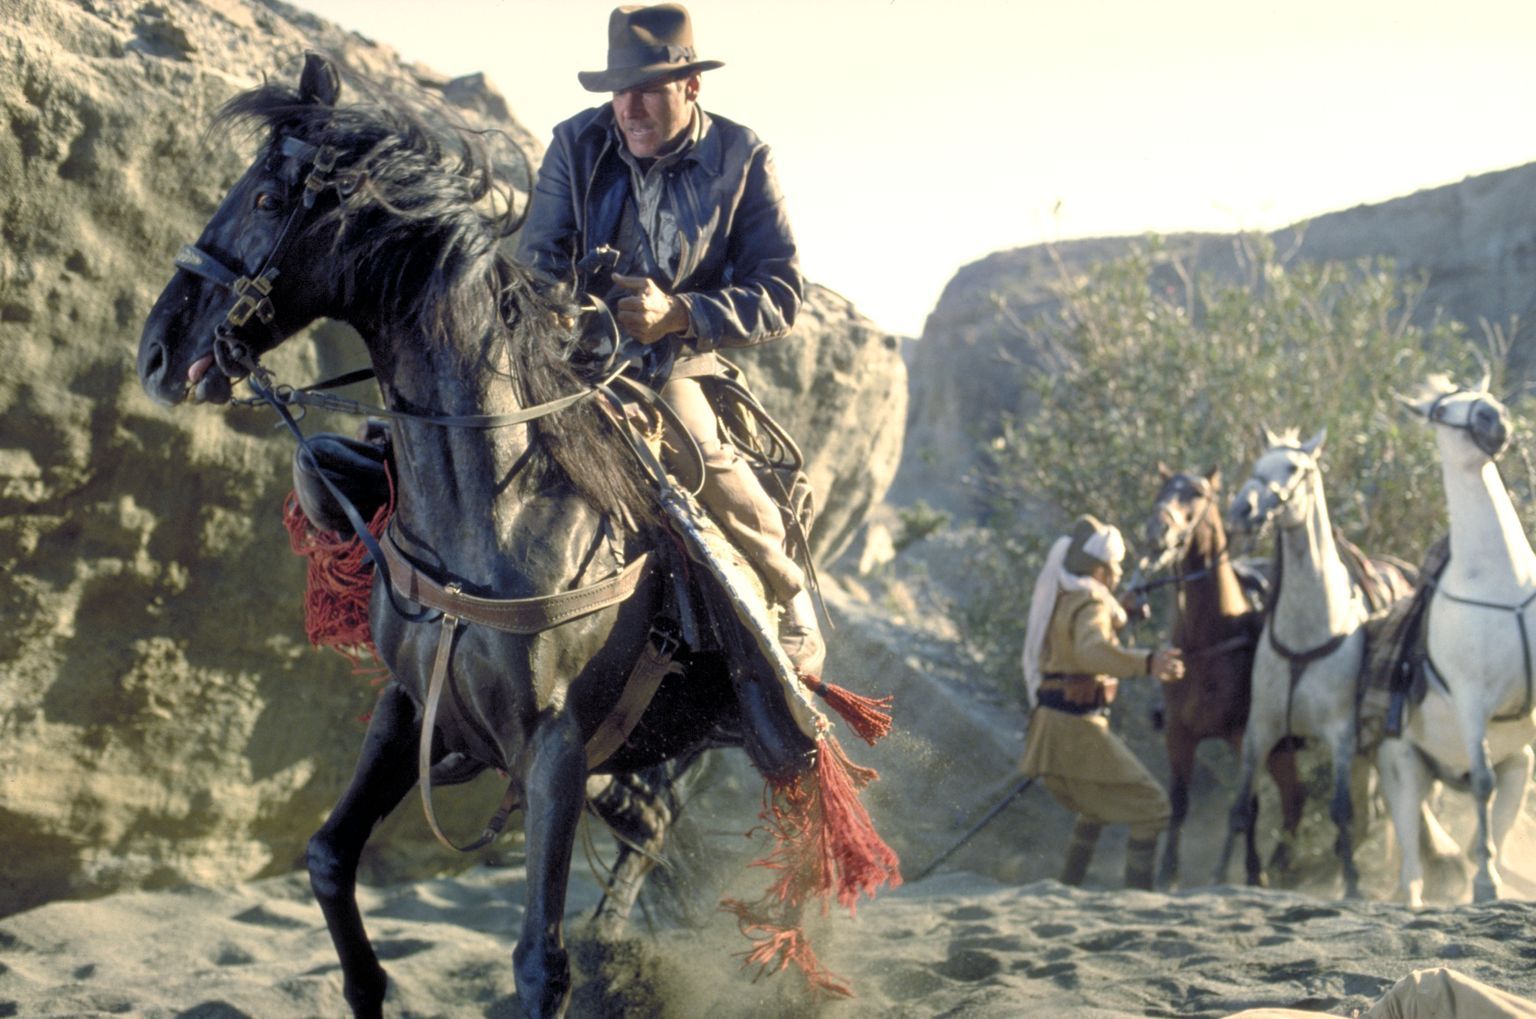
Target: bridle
{"x": 253, "y": 293}
{"x": 1436, "y": 415}
{"x": 253, "y": 298}
{"x": 1284, "y": 493}
{"x": 1178, "y": 550}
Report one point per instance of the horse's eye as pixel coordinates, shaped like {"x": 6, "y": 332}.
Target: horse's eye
{"x": 266, "y": 201}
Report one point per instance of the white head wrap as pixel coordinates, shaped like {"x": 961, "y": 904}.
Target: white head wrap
{"x": 1106, "y": 545}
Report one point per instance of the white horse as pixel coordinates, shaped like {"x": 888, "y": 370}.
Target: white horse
{"x": 1310, "y": 651}
{"x": 1476, "y": 723}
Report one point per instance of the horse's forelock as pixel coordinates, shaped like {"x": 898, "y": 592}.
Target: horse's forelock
{"x": 1288, "y": 438}
{"x": 1437, "y": 385}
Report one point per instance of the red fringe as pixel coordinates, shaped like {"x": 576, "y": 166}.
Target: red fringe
{"x": 778, "y": 946}
{"x": 824, "y": 846}
{"x": 868, "y": 717}
{"x": 338, "y": 585}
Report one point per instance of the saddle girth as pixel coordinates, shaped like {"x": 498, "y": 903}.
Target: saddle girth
{"x": 523, "y": 616}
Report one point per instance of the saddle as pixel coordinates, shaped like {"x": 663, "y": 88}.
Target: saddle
{"x": 1393, "y": 678}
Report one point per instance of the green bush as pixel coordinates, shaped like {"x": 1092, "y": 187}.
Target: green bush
{"x": 1148, "y": 363}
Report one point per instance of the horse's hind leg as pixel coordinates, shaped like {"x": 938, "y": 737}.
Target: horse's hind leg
{"x": 386, "y": 770}
{"x": 640, "y": 809}
{"x": 556, "y": 785}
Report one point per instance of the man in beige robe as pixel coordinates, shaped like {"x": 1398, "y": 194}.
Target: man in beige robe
{"x": 1073, "y": 663}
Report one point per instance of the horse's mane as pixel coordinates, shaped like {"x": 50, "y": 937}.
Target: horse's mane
{"x": 422, "y": 229}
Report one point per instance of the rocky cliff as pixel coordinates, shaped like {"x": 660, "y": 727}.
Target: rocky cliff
{"x": 1473, "y": 243}
{"x": 163, "y": 719}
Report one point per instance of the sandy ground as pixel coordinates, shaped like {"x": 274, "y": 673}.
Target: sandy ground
{"x": 953, "y": 945}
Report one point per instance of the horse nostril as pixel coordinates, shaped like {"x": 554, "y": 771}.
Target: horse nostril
{"x": 153, "y": 364}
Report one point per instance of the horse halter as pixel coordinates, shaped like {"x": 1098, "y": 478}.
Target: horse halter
{"x": 1282, "y": 494}
{"x": 1436, "y": 415}
{"x": 1176, "y": 550}
{"x": 253, "y": 293}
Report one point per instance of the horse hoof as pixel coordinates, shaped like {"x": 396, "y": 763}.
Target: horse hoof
{"x": 543, "y": 981}
{"x": 365, "y": 996}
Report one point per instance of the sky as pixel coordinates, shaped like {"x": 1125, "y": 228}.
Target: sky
{"x": 913, "y": 137}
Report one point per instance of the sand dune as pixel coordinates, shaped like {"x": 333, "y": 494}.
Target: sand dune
{"x": 956, "y": 944}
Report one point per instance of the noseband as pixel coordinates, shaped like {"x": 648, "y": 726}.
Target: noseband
{"x": 1437, "y": 416}
{"x": 253, "y": 293}
{"x": 1283, "y": 494}
{"x": 1180, "y": 548}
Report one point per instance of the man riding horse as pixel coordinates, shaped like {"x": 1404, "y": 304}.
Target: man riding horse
{"x": 686, "y": 208}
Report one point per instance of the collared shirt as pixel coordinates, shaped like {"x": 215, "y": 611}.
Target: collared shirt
{"x": 652, "y": 202}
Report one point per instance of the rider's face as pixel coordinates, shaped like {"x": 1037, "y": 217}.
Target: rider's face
{"x": 1109, "y": 574}
{"x": 653, "y": 116}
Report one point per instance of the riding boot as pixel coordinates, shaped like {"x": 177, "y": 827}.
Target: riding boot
{"x": 1140, "y": 857}
{"x": 1085, "y": 837}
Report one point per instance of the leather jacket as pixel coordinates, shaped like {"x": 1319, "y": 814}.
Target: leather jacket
{"x": 738, "y": 272}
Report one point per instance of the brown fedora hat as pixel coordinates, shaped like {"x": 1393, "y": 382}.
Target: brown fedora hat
{"x": 646, "y": 43}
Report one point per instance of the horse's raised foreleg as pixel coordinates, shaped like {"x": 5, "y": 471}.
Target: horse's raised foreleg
{"x": 386, "y": 771}
{"x": 556, "y": 784}
{"x": 1341, "y": 808}
{"x": 1281, "y": 763}
{"x": 1405, "y": 781}
{"x": 1181, "y": 765}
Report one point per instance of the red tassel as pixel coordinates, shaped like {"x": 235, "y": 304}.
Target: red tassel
{"x": 825, "y": 846}
{"x": 338, "y": 585}
{"x": 778, "y": 947}
{"x": 868, "y": 717}
{"x": 860, "y": 860}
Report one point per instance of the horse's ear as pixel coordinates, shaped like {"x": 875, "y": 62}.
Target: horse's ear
{"x": 1269, "y": 438}
{"x": 1315, "y": 444}
{"x": 1213, "y": 478}
{"x": 1164, "y": 470}
{"x": 1413, "y": 405}
{"x": 321, "y": 82}
{"x": 1482, "y": 387}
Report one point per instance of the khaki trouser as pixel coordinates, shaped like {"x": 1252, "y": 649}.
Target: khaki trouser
{"x": 1426, "y": 994}
{"x": 1093, "y": 773}
{"x": 732, "y": 495}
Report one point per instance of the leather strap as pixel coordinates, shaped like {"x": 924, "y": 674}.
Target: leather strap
{"x": 1298, "y": 662}
{"x": 510, "y": 615}
{"x": 654, "y": 664}
{"x": 509, "y": 799}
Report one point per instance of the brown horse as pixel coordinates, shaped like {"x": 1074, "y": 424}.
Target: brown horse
{"x": 1218, "y": 629}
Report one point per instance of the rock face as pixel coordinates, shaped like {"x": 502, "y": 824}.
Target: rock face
{"x": 163, "y": 718}
{"x": 1474, "y": 243}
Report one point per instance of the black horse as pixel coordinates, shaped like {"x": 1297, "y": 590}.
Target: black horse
{"x": 378, "y": 214}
